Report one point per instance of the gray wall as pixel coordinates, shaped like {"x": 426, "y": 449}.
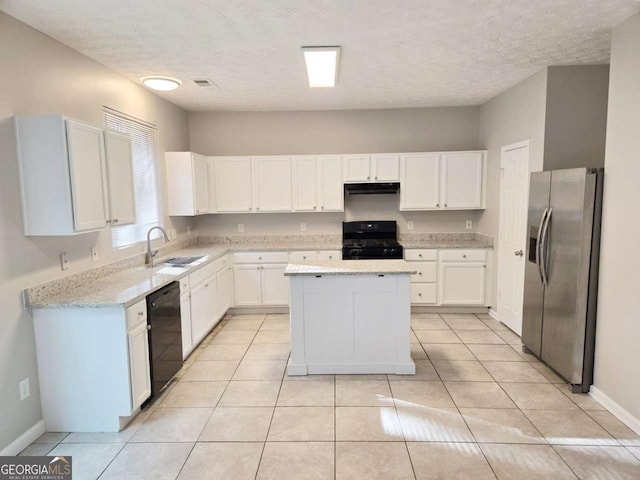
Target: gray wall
{"x": 617, "y": 363}
{"x": 344, "y": 131}
{"x": 576, "y": 116}
{"x": 41, "y": 76}
{"x": 513, "y": 116}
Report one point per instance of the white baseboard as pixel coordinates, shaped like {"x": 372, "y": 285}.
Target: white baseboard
{"x": 24, "y": 440}
{"x": 493, "y": 313}
{"x": 623, "y": 415}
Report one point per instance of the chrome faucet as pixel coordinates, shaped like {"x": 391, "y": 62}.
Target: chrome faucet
{"x": 152, "y": 253}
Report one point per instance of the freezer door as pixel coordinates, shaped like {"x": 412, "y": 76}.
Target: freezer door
{"x": 539, "y": 190}
{"x": 567, "y": 258}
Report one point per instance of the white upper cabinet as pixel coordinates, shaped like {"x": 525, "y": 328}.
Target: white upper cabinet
{"x": 330, "y": 186}
{"x": 381, "y": 167}
{"x": 385, "y": 167}
{"x": 272, "y": 184}
{"x": 420, "y": 177}
{"x": 462, "y": 180}
{"x": 62, "y": 175}
{"x": 122, "y": 199}
{"x": 187, "y": 183}
{"x": 233, "y": 184}
{"x": 306, "y": 184}
{"x": 317, "y": 183}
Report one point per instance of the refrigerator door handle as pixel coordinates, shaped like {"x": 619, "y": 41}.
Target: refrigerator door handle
{"x": 543, "y": 249}
{"x": 539, "y": 243}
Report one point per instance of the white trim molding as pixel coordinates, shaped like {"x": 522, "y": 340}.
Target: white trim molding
{"x": 24, "y": 440}
{"x": 493, "y": 313}
{"x": 615, "y": 408}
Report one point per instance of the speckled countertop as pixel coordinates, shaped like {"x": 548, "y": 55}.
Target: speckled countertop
{"x": 351, "y": 267}
{"x": 127, "y": 282}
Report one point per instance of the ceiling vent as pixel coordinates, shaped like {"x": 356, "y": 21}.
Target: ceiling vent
{"x": 204, "y": 82}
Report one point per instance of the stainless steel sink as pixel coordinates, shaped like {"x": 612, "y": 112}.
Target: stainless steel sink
{"x": 181, "y": 261}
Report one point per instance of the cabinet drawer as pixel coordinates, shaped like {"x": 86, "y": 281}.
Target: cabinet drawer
{"x": 303, "y": 256}
{"x": 329, "y": 255}
{"x": 222, "y": 263}
{"x": 471, "y": 255}
{"x": 136, "y": 314}
{"x": 260, "y": 257}
{"x": 415, "y": 254}
{"x": 427, "y": 272}
{"x": 423, "y": 293}
{"x": 202, "y": 274}
{"x": 184, "y": 285}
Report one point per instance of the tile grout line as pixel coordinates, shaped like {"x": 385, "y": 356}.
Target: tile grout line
{"x": 404, "y": 438}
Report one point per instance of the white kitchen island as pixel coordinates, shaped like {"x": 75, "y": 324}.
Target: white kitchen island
{"x": 350, "y": 317}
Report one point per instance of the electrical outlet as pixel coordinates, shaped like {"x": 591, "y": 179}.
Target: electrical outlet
{"x": 303, "y": 227}
{"x": 469, "y": 225}
{"x": 94, "y": 254}
{"x": 240, "y": 227}
{"x": 64, "y": 263}
{"x": 25, "y": 389}
{"x": 410, "y": 225}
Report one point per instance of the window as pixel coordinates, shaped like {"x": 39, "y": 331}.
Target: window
{"x": 146, "y": 172}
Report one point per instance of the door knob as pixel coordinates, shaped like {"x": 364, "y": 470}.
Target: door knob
{"x": 519, "y": 253}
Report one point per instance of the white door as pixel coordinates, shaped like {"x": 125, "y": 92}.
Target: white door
{"x": 305, "y": 184}
{"x": 246, "y": 285}
{"x": 462, "y": 179}
{"x": 139, "y": 365}
{"x": 88, "y": 172}
{"x": 514, "y": 204}
{"x": 462, "y": 283}
{"x": 185, "y": 323}
{"x": 330, "y": 186}
{"x": 224, "y": 286}
{"x": 233, "y": 184}
{"x": 420, "y": 174}
{"x": 200, "y": 312}
{"x": 200, "y": 184}
{"x": 273, "y": 184}
{"x": 275, "y": 286}
{"x": 357, "y": 168}
{"x": 122, "y": 199}
{"x": 386, "y": 168}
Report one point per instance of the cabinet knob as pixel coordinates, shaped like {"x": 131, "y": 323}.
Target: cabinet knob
{"x": 376, "y": 178}
{"x": 304, "y": 257}
{"x": 148, "y": 327}
{"x": 108, "y": 222}
{"x": 330, "y": 257}
{"x": 445, "y": 204}
{"x": 419, "y": 294}
{"x": 420, "y": 255}
{"x": 368, "y": 178}
{"x": 314, "y": 207}
{"x": 437, "y": 204}
{"x": 140, "y": 313}
{"x": 464, "y": 256}
{"x": 257, "y": 208}
{"x": 259, "y": 258}
{"x": 420, "y": 273}
{"x": 322, "y": 207}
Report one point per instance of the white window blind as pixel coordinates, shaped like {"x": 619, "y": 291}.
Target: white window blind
{"x": 146, "y": 171}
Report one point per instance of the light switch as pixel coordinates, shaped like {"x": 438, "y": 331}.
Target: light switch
{"x": 469, "y": 225}
{"x": 64, "y": 263}
{"x": 303, "y": 227}
{"x": 94, "y": 254}
{"x": 410, "y": 225}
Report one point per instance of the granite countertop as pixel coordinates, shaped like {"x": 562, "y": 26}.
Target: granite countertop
{"x": 351, "y": 267}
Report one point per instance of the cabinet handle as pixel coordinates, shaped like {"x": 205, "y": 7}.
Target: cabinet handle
{"x": 140, "y": 313}
{"x": 108, "y": 222}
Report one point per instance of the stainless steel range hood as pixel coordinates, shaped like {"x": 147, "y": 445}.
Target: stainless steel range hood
{"x": 371, "y": 188}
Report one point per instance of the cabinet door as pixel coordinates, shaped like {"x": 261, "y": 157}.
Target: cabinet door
{"x": 275, "y": 286}
{"x": 462, "y": 283}
{"x": 211, "y": 186}
{"x": 88, "y": 172}
{"x": 246, "y": 283}
{"x": 233, "y": 184}
{"x": 185, "y": 323}
{"x": 462, "y": 180}
{"x": 330, "y": 186}
{"x": 122, "y": 199}
{"x": 386, "y": 168}
{"x": 140, "y": 372}
{"x": 200, "y": 184}
{"x": 420, "y": 177}
{"x": 357, "y": 168}
{"x": 224, "y": 285}
{"x": 305, "y": 184}
{"x": 272, "y": 184}
{"x": 200, "y": 312}
{"x": 212, "y": 299}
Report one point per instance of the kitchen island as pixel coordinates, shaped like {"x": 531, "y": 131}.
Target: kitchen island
{"x": 350, "y": 317}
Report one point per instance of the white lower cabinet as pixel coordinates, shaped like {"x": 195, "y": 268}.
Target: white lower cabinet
{"x": 224, "y": 284}
{"x": 139, "y": 364}
{"x": 204, "y": 310}
{"x": 259, "y": 279}
{"x": 462, "y": 277}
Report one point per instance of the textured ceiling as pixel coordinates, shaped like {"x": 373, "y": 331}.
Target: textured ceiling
{"x": 395, "y": 53}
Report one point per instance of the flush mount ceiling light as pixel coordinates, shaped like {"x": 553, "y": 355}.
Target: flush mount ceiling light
{"x": 322, "y": 65}
{"x": 164, "y": 84}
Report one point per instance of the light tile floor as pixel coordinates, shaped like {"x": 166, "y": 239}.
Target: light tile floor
{"x": 477, "y": 408}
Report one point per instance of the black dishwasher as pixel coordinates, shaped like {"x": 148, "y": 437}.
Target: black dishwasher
{"x": 165, "y": 335}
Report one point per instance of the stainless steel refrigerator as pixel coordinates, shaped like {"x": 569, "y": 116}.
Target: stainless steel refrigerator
{"x": 561, "y": 273}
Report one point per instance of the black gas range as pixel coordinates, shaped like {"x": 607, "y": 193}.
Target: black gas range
{"x": 375, "y": 240}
